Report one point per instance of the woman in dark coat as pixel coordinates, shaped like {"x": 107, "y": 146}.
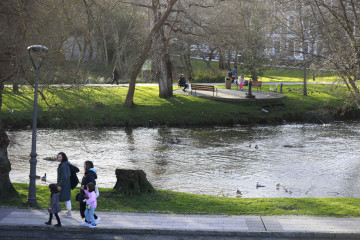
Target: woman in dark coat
{"x": 89, "y": 176}
{"x": 63, "y": 181}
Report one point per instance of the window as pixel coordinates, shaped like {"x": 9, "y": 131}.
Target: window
{"x": 319, "y": 47}
{"x": 291, "y": 22}
{"x": 290, "y": 48}
{"x": 276, "y": 47}
{"x": 306, "y": 48}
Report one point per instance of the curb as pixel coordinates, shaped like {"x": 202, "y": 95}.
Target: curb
{"x": 82, "y": 232}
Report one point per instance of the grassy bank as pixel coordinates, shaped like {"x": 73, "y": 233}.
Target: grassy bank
{"x": 271, "y": 74}
{"x": 182, "y": 203}
{"x": 104, "y": 107}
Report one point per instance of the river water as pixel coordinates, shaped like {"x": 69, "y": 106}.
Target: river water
{"x": 307, "y": 160}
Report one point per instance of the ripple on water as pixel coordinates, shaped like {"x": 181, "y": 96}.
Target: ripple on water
{"x": 213, "y": 161}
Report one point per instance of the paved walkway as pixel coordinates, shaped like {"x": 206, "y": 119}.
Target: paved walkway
{"x": 232, "y": 94}
{"x": 288, "y": 227}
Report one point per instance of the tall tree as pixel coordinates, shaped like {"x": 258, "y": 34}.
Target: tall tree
{"x": 253, "y": 37}
{"x": 298, "y": 34}
{"x": 339, "y": 27}
{"x": 13, "y": 23}
{"x": 163, "y": 65}
{"x": 144, "y": 53}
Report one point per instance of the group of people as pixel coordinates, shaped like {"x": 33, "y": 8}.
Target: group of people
{"x": 234, "y": 75}
{"x": 61, "y": 192}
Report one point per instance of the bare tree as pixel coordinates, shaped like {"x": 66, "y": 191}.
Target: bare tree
{"x": 162, "y": 63}
{"x": 144, "y": 53}
{"x": 339, "y": 27}
{"x": 296, "y": 34}
{"x": 13, "y": 20}
{"x": 253, "y": 25}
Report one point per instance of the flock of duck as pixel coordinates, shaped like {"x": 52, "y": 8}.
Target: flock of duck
{"x": 43, "y": 178}
{"x": 258, "y": 185}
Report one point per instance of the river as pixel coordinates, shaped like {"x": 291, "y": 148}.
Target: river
{"x": 306, "y": 160}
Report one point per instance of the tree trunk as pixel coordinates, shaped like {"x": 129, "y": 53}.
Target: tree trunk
{"x": 132, "y": 182}
{"x": 14, "y": 15}
{"x": 165, "y": 68}
{"x": 91, "y": 50}
{"x": 203, "y": 56}
{"x": 16, "y": 83}
{"x": 82, "y": 53}
{"x": 155, "y": 70}
{"x": 129, "y": 101}
{"x": 305, "y": 86}
{"x": 106, "y": 60}
{"x": 221, "y": 61}
{"x": 354, "y": 95}
{"x": 6, "y": 188}
{"x": 228, "y": 62}
{"x": 353, "y": 84}
{"x": 211, "y": 56}
{"x": 165, "y": 81}
{"x": 188, "y": 68}
{"x": 235, "y": 59}
{"x": 254, "y": 75}
{"x": 15, "y": 87}
{"x": 117, "y": 55}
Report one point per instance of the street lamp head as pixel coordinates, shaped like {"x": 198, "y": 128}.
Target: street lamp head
{"x": 39, "y": 52}
{"x": 38, "y": 49}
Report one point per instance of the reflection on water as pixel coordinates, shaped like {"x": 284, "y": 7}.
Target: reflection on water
{"x": 307, "y": 160}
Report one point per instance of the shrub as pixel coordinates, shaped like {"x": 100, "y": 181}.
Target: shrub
{"x": 209, "y": 76}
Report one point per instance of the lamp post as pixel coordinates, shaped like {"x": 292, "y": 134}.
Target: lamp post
{"x": 40, "y": 52}
{"x": 249, "y": 94}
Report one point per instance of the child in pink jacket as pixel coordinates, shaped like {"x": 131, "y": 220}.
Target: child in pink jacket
{"x": 91, "y": 204}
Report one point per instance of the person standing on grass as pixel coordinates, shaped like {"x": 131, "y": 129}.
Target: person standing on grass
{"x": 115, "y": 76}
{"x": 54, "y": 207}
{"x": 91, "y": 204}
{"x": 63, "y": 181}
{"x": 90, "y": 176}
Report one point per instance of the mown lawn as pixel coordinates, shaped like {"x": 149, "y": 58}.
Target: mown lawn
{"x": 296, "y": 75}
{"x": 104, "y": 107}
{"x": 182, "y": 203}
{"x": 274, "y": 74}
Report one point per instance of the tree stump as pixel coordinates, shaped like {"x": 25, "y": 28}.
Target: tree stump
{"x": 132, "y": 181}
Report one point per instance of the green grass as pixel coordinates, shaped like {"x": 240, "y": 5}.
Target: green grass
{"x": 296, "y": 75}
{"x": 275, "y": 75}
{"x": 71, "y": 108}
{"x": 182, "y": 203}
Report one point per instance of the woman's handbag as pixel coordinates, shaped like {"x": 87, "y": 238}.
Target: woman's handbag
{"x": 77, "y": 197}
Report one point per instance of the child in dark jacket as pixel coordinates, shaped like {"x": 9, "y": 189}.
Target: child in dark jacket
{"x": 54, "y": 207}
{"x": 89, "y": 176}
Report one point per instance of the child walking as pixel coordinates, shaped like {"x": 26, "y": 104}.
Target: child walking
{"x": 54, "y": 207}
{"x": 91, "y": 204}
